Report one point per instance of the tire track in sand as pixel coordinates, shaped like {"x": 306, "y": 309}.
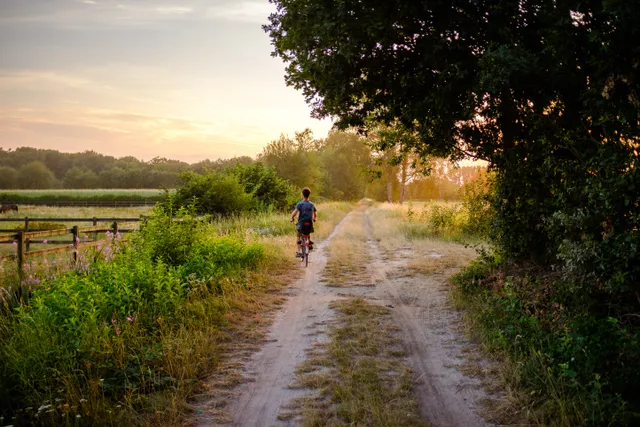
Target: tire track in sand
{"x": 447, "y": 397}
{"x": 271, "y": 370}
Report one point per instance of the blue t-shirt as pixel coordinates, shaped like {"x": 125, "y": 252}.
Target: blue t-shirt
{"x": 306, "y": 209}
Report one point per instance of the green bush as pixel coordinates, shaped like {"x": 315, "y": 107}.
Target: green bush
{"x": 577, "y": 368}
{"x": 235, "y": 190}
{"x": 476, "y": 202}
{"x": 92, "y": 338}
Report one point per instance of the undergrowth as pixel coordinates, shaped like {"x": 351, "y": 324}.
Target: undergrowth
{"x": 125, "y": 341}
{"x": 569, "y": 361}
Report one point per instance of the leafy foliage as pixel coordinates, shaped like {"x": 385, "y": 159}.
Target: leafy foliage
{"x": 234, "y": 190}
{"x": 89, "y": 340}
{"x": 546, "y": 92}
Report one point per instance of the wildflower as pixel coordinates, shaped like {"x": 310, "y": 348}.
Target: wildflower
{"x": 77, "y": 239}
{"x": 86, "y": 237}
{"x": 129, "y": 319}
{"x": 78, "y": 416}
{"x": 45, "y": 241}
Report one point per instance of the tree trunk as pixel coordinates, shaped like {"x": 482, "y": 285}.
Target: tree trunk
{"x": 389, "y": 194}
{"x": 403, "y": 182}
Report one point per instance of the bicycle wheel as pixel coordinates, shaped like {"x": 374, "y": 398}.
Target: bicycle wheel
{"x": 306, "y": 252}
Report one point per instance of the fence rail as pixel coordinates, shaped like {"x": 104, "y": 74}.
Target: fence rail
{"x": 24, "y": 238}
{"x": 80, "y": 203}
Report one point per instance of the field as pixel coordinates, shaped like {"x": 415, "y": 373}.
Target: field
{"x": 65, "y": 195}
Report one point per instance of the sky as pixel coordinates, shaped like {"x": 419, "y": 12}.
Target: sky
{"x": 182, "y": 79}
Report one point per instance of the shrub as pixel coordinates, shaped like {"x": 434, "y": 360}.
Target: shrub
{"x": 476, "y": 202}
{"x": 93, "y": 338}
{"x": 576, "y": 368}
{"x": 213, "y": 193}
{"x": 235, "y": 190}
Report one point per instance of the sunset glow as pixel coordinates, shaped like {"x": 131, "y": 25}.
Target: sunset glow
{"x": 187, "y": 80}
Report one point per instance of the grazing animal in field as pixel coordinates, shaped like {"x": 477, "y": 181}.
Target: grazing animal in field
{"x": 7, "y": 208}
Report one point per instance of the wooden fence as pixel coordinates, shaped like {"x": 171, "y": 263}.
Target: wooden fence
{"x": 23, "y": 239}
{"x": 83, "y": 203}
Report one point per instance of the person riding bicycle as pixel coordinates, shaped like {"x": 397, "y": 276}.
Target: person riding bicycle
{"x": 308, "y": 215}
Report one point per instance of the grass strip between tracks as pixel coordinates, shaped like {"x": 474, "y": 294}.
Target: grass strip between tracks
{"x": 357, "y": 376}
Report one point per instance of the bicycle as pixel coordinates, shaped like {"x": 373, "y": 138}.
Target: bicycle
{"x": 304, "y": 247}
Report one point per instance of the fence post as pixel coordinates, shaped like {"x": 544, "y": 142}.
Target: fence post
{"x": 20, "y": 258}
{"x": 26, "y": 229}
{"x": 95, "y": 233}
{"x": 76, "y": 238}
{"x": 114, "y": 226}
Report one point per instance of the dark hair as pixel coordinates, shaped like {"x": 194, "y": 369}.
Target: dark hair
{"x": 306, "y": 192}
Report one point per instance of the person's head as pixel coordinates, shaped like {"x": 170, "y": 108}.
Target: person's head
{"x": 306, "y": 192}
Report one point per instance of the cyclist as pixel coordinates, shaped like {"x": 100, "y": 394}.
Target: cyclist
{"x": 308, "y": 215}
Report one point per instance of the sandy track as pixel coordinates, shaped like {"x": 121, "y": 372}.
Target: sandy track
{"x": 271, "y": 371}
{"x": 446, "y": 396}
{"x": 419, "y": 303}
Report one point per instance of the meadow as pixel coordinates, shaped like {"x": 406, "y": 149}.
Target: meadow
{"x": 126, "y": 335}
{"x": 89, "y": 195}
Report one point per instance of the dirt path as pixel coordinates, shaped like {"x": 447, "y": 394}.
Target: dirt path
{"x": 418, "y": 301}
{"x": 446, "y": 396}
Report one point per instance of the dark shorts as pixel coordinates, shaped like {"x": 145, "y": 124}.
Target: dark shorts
{"x": 305, "y": 227}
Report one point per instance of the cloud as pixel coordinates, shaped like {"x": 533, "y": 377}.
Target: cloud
{"x": 243, "y": 11}
{"x": 89, "y": 14}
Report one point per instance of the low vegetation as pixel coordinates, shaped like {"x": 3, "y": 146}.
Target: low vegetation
{"x": 564, "y": 363}
{"x": 358, "y": 376}
{"x": 125, "y": 336}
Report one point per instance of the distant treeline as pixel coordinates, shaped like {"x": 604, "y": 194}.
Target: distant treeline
{"x": 32, "y": 168}
{"x": 342, "y": 166}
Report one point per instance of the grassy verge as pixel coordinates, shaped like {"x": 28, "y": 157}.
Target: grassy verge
{"x": 348, "y": 255}
{"x": 428, "y": 254}
{"x": 445, "y": 221}
{"x": 358, "y": 374}
{"x": 561, "y": 365}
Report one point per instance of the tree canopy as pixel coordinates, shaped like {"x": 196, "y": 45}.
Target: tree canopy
{"x": 547, "y": 92}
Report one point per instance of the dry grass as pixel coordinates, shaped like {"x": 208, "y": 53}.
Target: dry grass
{"x": 429, "y": 255}
{"x": 358, "y": 377}
{"x": 348, "y": 253}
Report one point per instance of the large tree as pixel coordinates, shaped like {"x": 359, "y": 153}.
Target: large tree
{"x": 548, "y": 92}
